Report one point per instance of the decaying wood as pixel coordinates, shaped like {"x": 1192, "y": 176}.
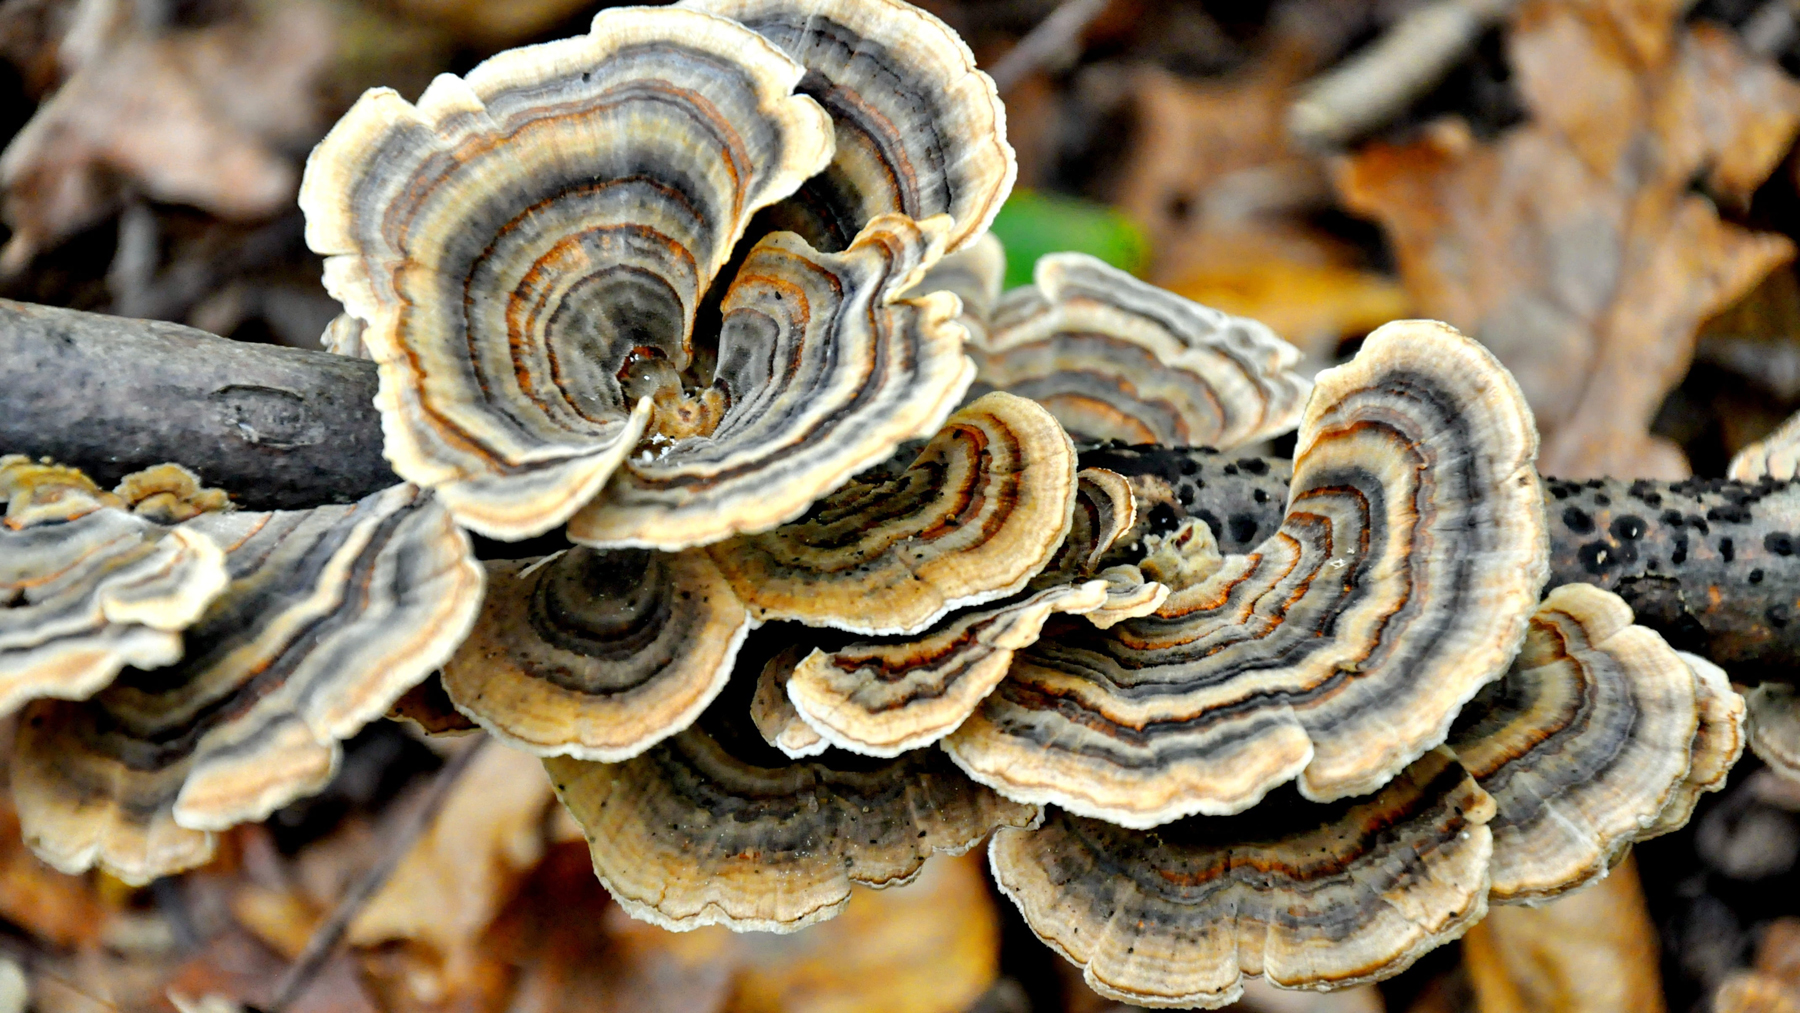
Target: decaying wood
{"x": 278, "y": 428}
{"x": 1714, "y": 565}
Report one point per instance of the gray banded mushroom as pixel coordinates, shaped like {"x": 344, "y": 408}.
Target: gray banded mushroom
{"x": 87, "y": 586}
{"x": 1773, "y": 726}
{"x": 1306, "y": 895}
{"x": 919, "y": 130}
{"x": 1718, "y": 743}
{"x": 526, "y": 251}
{"x": 775, "y": 715}
{"x": 1113, "y": 357}
{"x": 1584, "y": 743}
{"x": 1340, "y": 649}
{"x": 979, "y": 512}
{"x": 331, "y": 614}
{"x": 597, "y": 654}
{"x": 882, "y": 697}
{"x": 715, "y": 827}
{"x": 975, "y": 274}
{"x": 1775, "y": 456}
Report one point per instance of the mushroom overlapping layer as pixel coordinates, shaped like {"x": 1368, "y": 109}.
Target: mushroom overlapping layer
{"x": 883, "y": 696}
{"x": 526, "y": 251}
{"x": 597, "y": 653}
{"x": 919, "y": 130}
{"x": 330, "y": 615}
{"x": 1773, "y": 726}
{"x": 1113, "y": 357}
{"x": 1582, "y": 743}
{"x": 1340, "y": 649}
{"x": 1775, "y": 456}
{"x": 978, "y": 513}
{"x": 1718, "y": 743}
{"x": 87, "y": 586}
{"x": 713, "y": 826}
{"x": 1306, "y": 895}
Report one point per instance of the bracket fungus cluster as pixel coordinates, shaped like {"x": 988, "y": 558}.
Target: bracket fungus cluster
{"x": 184, "y": 667}
{"x": 710, "y": 289}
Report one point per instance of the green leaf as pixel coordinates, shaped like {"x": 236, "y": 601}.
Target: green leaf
{"x": 1032, "y": 224}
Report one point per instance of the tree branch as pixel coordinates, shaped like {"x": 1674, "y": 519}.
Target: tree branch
{"x": 278, "y": 428}
{"x": 1713, "y": 565}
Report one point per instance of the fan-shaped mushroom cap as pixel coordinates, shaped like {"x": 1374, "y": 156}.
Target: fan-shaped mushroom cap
{"x": 169, "y": 494}
{"x": 87, "y": 588}
{"x": 526, "y": 235}
{"x": 888, "y": 696}
{"x": 597, "y": 654}
{"x": 1582, "y": 743}
{"x": 1718, "y": 742}
{"x": 1773, "y": 726}
{"x": 1115, "y": 358}
{"x": 39, "y": 491}
{"x": 775, "y": 715}
{"x": 1776, "y": 455}
{"x": 331, "y": 614}
{"x": 976, "y": 274}
{"x": 827, "y": 370}
{"x": 920, "y": 131}
{"x": 1104, "y": 511}
{"x": 713, "y": 826}
{"x": 1398, "y": 585}
{"x": 979, "y": 512}
{"x": 1306, "y": 895}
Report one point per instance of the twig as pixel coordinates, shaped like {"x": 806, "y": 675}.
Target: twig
{"x": 1383, "y": 78}
{"x": 278, "y": 428}
{"x": 1051, "y": 35}
{"x": 325, "y": 939}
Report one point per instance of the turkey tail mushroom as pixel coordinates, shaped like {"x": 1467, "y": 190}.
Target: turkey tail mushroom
{"x": 715, "y": 827}
{"x": 597, "y": 654}
{"x": 980, "y": 511}
{"x": 919, "y": 130}
{"x": 88, "y": 586}
{"x": 330, "y": 615}
{"x": 524, "y": 236}
{"x": 1340, "y": 649}
{"x": 1584, "y": 743}
{"x": 825, "y": 366}
{"x": 1307, "y": 895}
{"x": 1115, "y": 358}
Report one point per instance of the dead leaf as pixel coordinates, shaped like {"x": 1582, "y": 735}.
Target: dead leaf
{"x": 202, "y": 117}
{"x": 1571, "y": 245}
{"x": 930, "y": 947}
{"x": 1593, "y": 951}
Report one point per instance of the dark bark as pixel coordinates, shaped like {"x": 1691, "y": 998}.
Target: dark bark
{"x": 1713, "y": 565}
{"x": 278, "y": 428}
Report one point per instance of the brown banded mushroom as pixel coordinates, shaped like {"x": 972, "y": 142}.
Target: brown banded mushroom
{"x": 331, "y": 614}
{"x": 826, "y": 367}
{"x": 1306, "y": 895}
{"x": 919, "y": 130}
{"x": 1582, "y": 744}
{"x": 881, "y": 697}
{"x": 87, "y": 587}
{"x": 775, "y": 716}
{"x": 1773, "y": 726}
{"x": 715, "y": 827}
{"x": 976, "y": 275}
{"x": 1113, "y": 357}
{"x": 887, "y": 696}
{"x": 979, "y": 512}
{"x": 597, "y": 653}
{"x": 1340, "y": 649}
{"x": 1717, "y": 745}
{"x": 517, "y": 254}
{"x": 1775, "y": 456}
